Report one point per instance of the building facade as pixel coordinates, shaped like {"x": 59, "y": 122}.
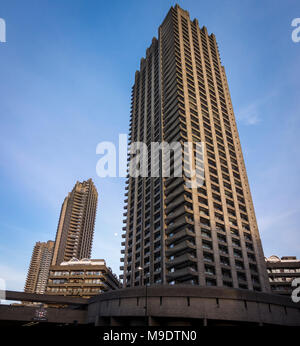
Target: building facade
{"x": 37, "y": 276}
{"x": 175, "y": 233}
{"x": 84, "y": 278}
{"x": 282, "y": 271}
{"x": 75, "y": 229}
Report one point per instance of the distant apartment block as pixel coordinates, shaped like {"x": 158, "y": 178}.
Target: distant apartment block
{"x": 84, "y": 278}
{"x": 282, "y": 271}
{"x": 37, "y": 276}
{"x": 174, "y": 234}
{"x": 75, "y": 229}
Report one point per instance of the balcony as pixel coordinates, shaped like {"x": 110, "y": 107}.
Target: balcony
{"x": 172, "y": 127}
{"x": 181, "y": 247}
{"x": 184, "y": 220}
{"x": 175, "y": 203}
{"x": 174, "y": 194}
{"x": 182, "y": 273}
{"x": 177, "y": 138}
{"x": 174, "y": 182}
{"x": 186, "y": 258}
{"x": 176, "y": 213}
{"x": 184, "y": 233}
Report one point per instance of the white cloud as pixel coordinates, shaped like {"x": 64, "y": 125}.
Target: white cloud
{"x": 266, "y": 222}
{"x": 249, "y": 115}
{"x": 252, "y": 113}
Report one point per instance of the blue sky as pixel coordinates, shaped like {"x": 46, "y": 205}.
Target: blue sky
{"x": 66, "y": 73}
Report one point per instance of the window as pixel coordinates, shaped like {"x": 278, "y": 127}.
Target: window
{"x": 208, "y": 257}
{"x": 221, "y": 238}
{"x": 239, "y": 265}
{"x": 211, "y": 282}
{"x": 234, "y": 232}
{"x": 205, "y": 233}
{"x": 224, "y": 260}
{"x": 207, "y": 244}
{"x": 223, "y": 249}
{"x": 237, "y": 253}
{"x": 241, "y": 276}
{"x": 226, "y": 273}
{"x": 210, "y": 270}
{"x": 236, "y": 242}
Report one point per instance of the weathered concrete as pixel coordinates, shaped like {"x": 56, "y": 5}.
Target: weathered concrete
{"x": 54, "y": 315}
{"x": 75, "y": 309}
{"x": 162, "y": 305}
{"x": 44, "y": 298}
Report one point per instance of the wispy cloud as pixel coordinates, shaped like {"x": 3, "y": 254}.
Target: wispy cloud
{"x": 252, "y": 114}
{"x": 266, "y": 222}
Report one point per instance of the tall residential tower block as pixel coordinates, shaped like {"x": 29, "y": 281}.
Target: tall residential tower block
{"x": 74, "y": 236}
{"x": 38, "y": 272}
{"x": 175, "y": 234}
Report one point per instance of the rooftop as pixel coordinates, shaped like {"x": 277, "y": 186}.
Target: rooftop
{"x": 84, "y": 261}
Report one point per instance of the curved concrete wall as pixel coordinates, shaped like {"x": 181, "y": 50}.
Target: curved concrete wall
{"x": 189, "y": 305}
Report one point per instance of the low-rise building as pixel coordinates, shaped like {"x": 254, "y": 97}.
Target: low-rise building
{"x": 282, "y": 271}
{"x": 84, "y": 278}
